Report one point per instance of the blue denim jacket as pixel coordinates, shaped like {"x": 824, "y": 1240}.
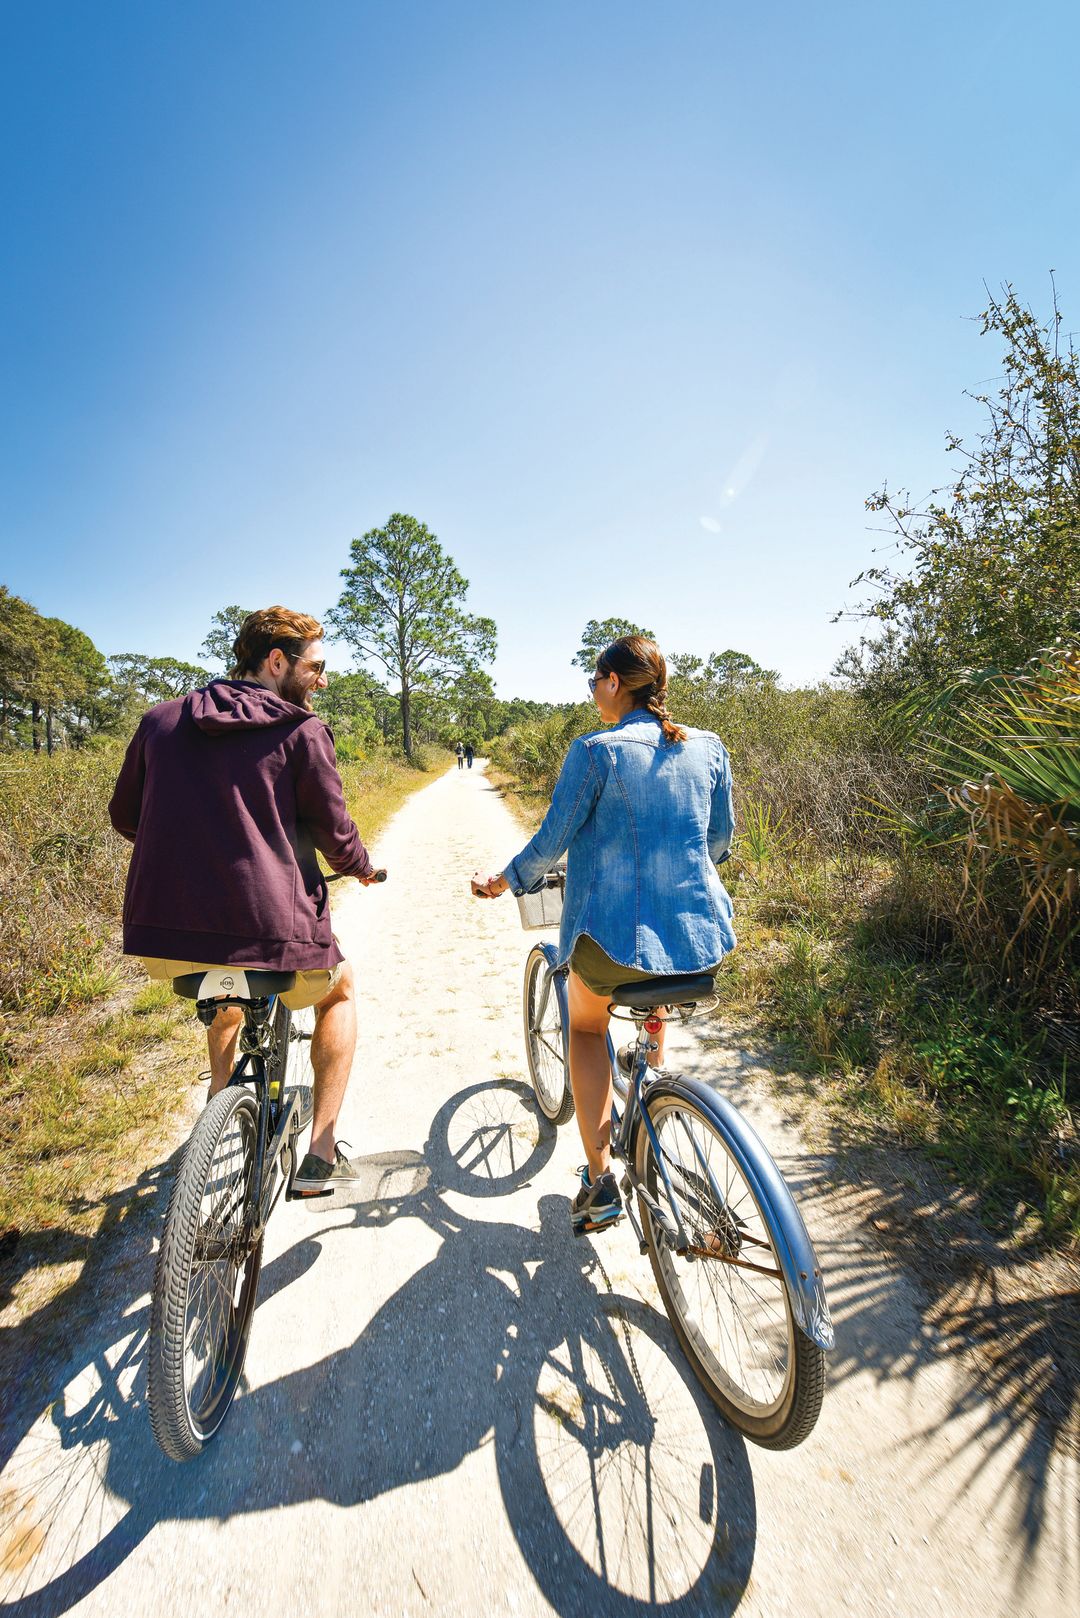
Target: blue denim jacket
{"x": 645, "y": 824}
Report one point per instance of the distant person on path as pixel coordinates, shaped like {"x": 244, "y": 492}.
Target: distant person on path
{"x": 469, "y": 754}
{"x": 226, "y": 795}
{"x": 644, "y": 811}
{"x": 460, "y": 751}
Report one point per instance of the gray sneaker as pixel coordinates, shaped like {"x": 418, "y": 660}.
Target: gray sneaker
{"x": 316, "y": 1174}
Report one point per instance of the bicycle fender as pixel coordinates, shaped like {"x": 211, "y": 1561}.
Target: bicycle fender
{"x": 556, "y": 984}
{"x": 806, "y": 1288}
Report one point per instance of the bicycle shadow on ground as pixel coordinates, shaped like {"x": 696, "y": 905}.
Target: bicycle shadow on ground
{"x": 624, "y": 1491}
{"x": 913, "y": 1282}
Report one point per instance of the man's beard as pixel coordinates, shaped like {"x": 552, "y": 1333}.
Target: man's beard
{"x": 293, "y": 689}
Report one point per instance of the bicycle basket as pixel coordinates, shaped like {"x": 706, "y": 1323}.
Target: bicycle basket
{"x": 543, "y": 906}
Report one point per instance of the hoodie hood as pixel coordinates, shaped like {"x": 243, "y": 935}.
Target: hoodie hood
{"x": 231, "y": 705}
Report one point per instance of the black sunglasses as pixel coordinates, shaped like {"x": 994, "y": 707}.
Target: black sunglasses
{"x": 316, "y": 668}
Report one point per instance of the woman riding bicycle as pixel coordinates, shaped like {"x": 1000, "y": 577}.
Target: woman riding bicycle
{"x": 644, "y": 812}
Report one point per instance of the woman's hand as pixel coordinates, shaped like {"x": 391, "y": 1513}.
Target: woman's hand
{"x": 488, "y": 887}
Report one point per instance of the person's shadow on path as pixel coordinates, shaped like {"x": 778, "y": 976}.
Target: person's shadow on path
{"x": 624, "y": 1490}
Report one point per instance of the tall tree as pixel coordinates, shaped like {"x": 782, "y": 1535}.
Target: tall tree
{"x": 472, "y": 703}
{"x": 77, "y": 677}
{"x": 217, "y": 648}
{"x": 600, "y": 632}
{"x": 402, "y": 609}
{"x": 730, "y": 670}
{"x": 19, "y": 659}
{"x": 140, "y": 681}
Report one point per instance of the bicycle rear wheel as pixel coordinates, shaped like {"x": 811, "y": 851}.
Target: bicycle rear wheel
{"x": 733, "y": 1320}
{"x": 544, "y": 1046}
{"x": 206, "y": 1279}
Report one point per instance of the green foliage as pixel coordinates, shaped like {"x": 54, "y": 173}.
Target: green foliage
{"x": 52, "y": 678}
{"x": 991, "y": 572}
{"x": 217, "y": 648}
{"x": 880, "y": 1006}
{"x": 719, "y": 675}
{"x": 402, "y": 609}
{"x": 138, "y": 682}
{"x": 599, "y": 634}
{"x": 363, "y": 715}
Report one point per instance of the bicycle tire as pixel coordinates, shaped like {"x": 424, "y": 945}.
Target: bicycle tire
{"x": 549, "y": 1072}
{"x": 787, "y": 1418}
{"x": 224, "y": 1136}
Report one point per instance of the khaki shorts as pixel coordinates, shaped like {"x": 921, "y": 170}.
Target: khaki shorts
{"x": 309, "y": 989}
{"x": 600, "y": 973}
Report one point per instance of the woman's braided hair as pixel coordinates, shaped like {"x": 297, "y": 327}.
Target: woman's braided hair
{"x": 641, "y": 668}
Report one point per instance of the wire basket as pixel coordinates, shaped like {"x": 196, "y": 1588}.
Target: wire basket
{"x": 543, "y": 906}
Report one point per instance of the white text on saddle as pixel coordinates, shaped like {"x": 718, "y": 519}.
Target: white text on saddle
{"x": 224, "y": 980}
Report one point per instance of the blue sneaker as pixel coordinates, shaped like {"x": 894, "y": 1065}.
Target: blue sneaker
{"x": 596, "y": 1206}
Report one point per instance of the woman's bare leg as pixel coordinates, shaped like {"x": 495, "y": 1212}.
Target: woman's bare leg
{"x": 590, "y": 1073}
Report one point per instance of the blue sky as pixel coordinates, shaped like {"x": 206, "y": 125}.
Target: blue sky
{"x": 632, "y": 304}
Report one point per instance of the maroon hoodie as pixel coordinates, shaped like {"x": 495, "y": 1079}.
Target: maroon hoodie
{"x": 226, "y": 794}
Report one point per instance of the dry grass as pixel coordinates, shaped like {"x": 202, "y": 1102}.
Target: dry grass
{"x": 93, "y": 1060}
{"x": 376, "y": 789}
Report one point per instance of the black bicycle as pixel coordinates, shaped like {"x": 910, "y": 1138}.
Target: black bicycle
{"x": 731, "y": 1256}
{"x": 240, "y": 1160}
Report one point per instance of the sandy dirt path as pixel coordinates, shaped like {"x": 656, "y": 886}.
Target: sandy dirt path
{"x": 450, "y": 1407}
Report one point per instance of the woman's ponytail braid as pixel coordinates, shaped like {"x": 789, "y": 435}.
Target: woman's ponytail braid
{"x": 657, "y": 704}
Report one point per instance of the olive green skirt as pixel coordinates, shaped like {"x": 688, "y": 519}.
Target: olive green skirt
{"x": 600, "y": 973}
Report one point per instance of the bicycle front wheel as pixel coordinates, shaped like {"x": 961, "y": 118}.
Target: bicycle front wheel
{"x": 728, "y": 1299}
{"x": 206, "y": 1279}
{"x": 542, "y": 1012}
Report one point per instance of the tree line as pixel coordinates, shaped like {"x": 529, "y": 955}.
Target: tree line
{"x": 401, "y": 610}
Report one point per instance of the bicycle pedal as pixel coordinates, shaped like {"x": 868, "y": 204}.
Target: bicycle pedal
{"x": 591, "y": 1229}
{"x": 308, "y": 1196}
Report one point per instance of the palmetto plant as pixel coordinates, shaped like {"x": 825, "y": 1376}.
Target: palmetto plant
{"x": 1005, "y": 751}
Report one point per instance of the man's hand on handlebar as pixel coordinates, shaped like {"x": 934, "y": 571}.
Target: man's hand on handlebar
{"x": 365, "y": 881}
{"x": 488, "y": 887}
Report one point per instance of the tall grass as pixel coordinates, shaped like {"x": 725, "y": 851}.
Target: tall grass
{"x": 81, "y": 1080}
{"x": 61, "y": 879}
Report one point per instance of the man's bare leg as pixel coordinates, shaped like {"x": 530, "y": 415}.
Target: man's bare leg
{"x": 221, "y": 1037}
{"x": 333, "y": 1046}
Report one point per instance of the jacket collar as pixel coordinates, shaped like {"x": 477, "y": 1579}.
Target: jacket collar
{"x": 637, "y": 716}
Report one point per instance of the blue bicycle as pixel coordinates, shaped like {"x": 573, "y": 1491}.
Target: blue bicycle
{"x": 734, "y": 1265}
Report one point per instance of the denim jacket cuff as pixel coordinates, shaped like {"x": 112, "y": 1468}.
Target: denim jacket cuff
{"x": 516, "y": 887}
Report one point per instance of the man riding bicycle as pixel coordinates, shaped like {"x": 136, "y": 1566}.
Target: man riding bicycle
{"x": 226, "y": 795}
